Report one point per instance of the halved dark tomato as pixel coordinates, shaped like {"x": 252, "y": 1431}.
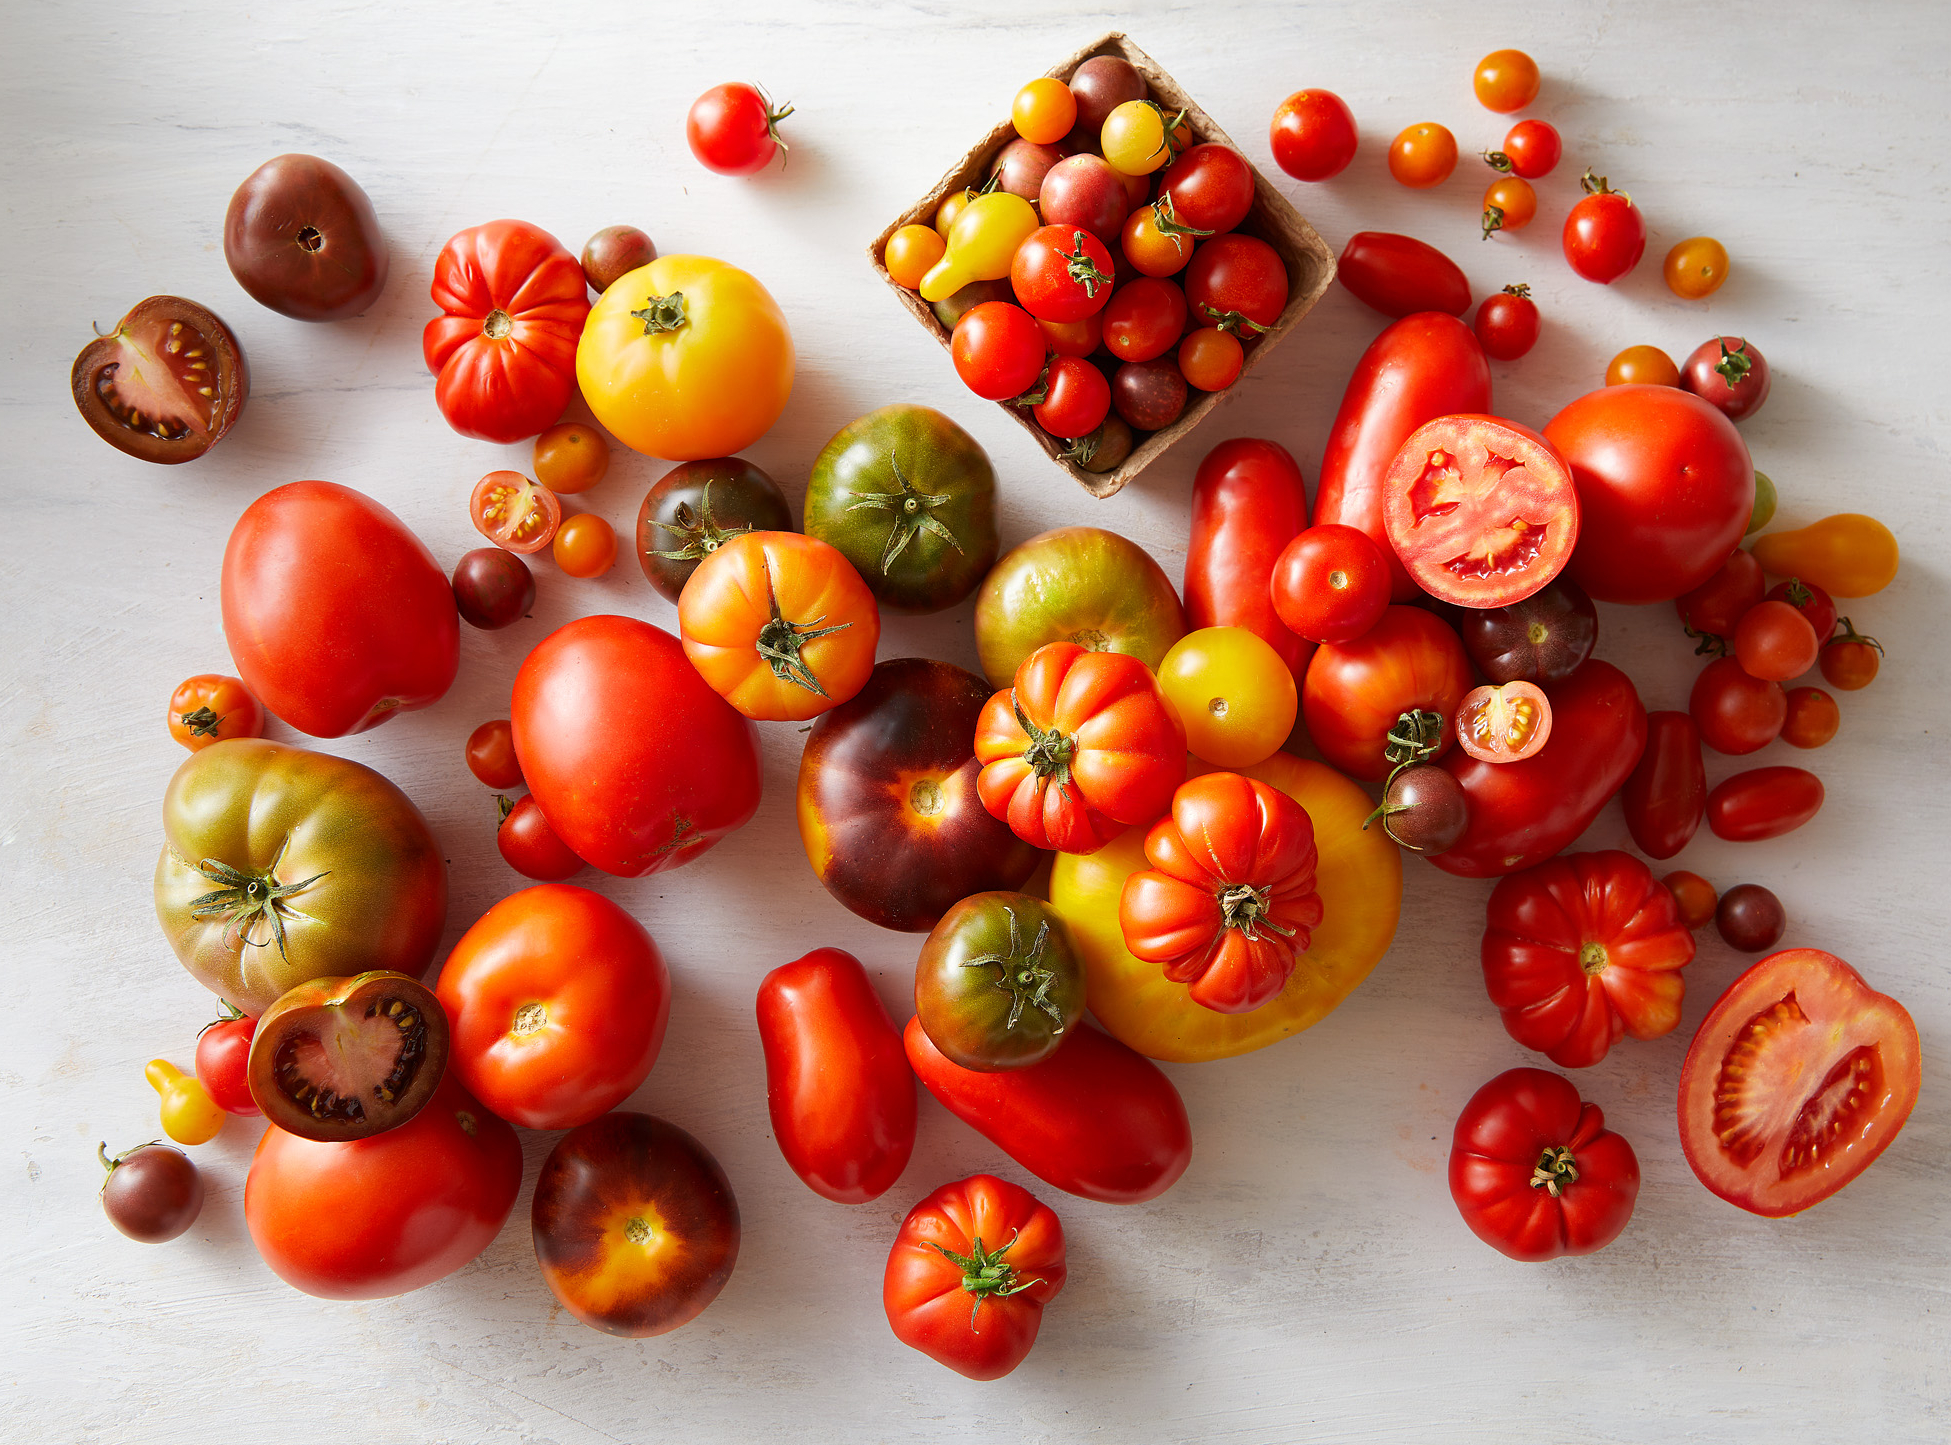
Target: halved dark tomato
{"x": 514, "y": 513}
{"x": 348, "y": 1058}
{"x": 165, "y": 384}
{"x": 1798, "y": 1079}
{"x": 1481, "y": 511}
{"x": 1503, "y": 723}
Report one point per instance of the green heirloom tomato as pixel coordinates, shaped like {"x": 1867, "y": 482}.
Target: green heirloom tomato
{"x": 697, "y": 507}
{"x": 999, "y": 984}
{"x": 1076, "y": 584}
{"x": 282, "y": 865}
{"x": 910, "y": 499}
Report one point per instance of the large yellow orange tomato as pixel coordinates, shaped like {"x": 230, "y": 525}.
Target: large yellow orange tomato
{"x": 1359, "y": 878}
{"x": 686, "y": 358}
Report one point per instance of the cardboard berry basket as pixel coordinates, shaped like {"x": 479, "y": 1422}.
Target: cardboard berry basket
{"x": 1310, "y": 264}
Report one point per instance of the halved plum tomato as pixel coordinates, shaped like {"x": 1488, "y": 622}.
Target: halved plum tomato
{"x": 348, "y": 1058}
{"x": 514, "y": 513}
{"x": 1481, "y": 511}
{"x": 165, "y": 384}
{"x": 1797, "y": 1080}
{"x": 1503, "y": 723}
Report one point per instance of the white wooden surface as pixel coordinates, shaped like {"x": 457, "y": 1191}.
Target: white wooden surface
{"x": 1309, "y": 1277}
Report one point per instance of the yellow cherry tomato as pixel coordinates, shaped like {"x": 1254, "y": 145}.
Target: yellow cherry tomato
{"x": 1044, "y": 111}
{"x": 1133, "y": 138}
{"x": 1696, "y": 267}
{"x": 981, "y": 244}
{"x": 190, "y": 1115}
{"x": 1234, "y": 695}
{"x": 585, "y": 545}
{"x": 1359, "y": 878}
{"x": 1847, "y": 555}
{"x": 951, "y": 207}
{"x": 912, "y": 253}
{"x": 686, "y": 358}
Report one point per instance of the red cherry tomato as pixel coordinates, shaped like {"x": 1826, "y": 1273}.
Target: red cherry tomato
{"x": 1735, "y": 711}
{"x": 1530, "y": 150}
{"x": 1774, "y": 641}
{"x": 1330, "y": 584}
{"x": 1813, "y": 718}
{"x": 1399, "y": 275}
{"x": 491, "y": 755}
{"x": 1061, "y": 273}
{"x": 1356, "y": 692}
{"x": 1728, "y": 373}
{"x": 1849, "y": 660}
{"x": 1605, "y": 235}
{"x": 1313, "y": 135}
{"x": 1237, "y": 283}
{"x": 1716, "y": 607}
{"x": 1076, "y": 398}
{"x": 1763, "y": 803}
{"x": 1507, "y": 324}
{"x": 733, "y": 129}
{"x": 1145, "y": 319}
{"x": 531, "y": 847}
{"x": 1503, "y": 723}
{"x": 1808, "y": 599}
{"x": 585, "y": 545}
{"x": 998, "y": 350}
{"x": 1248, "y": 500}
{"x": 514, "y": 513}
{"x": 1666, "y": 796}
{"x": 1210, "y": 186}
{"x": 223, "y": 1052}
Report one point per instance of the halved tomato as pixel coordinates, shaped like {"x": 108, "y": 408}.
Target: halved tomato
{"x": 1502, "y": 723}
{"x": 1800, "y": 1076}
{"x": 514, "y": 513}
{"x": 1482, "y": 511}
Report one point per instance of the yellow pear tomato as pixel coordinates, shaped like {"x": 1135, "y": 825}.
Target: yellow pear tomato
{"x": 981, "y": 244}
{"x": 1847, "y": 555}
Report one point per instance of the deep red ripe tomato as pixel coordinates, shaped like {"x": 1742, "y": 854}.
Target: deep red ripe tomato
{"x": 1330, "y": 584}
{"x": 1356, "y": 692}
{"x": 1507, "y": 324}
{"x": 838, "y": 1085}
{"x": 1237, "y": 283}
{"x": 1399, "y": 275}
{"x": 337, "y": 616}
{"x": 491, "y": 755}
{"x": 998, "y": 350}
{"x": 1735, "y": 711}
{"x": 1504, "y": 723}
{"x": 1509, "y": 205}
{"x": 1530, "y": 150}
{"x": 1796, "y": 1081}
{"x": 1808, "y": 599}
{"x": 1073, "y": 338}
{"x": 970, "y": 1272}
{"x": 1210, "y": 359}
{"x": 557, "y": 1001}
{"x": 733, "y": 129}
{"x": 1583, "y": 950}
{"x": 1605, "y": 235}
{"x": 370, "y": 1218}
{"x": 1763, "y": 803}
{"x": 223, "y": 1050}
{"x": 1149, "y": 395}
{"x": 1694, "y": 898}
{"x": 1084, "y": 191}
{"x": 1535, "y": 1172}
{"x": 1729, "y": 373}
{"x": 1060, "y": 273}
{"x": 1813, "y": 718}
{"x": 1774, "y": 641}
{"x": 531, "y": 847}
{"x": 1666, "y": 796}
{"x": 1144, "y": 319}
{"x": 514, "y": 513}
{"x": 1715, "y": 608}
{"x": 1423, "y": 155}
{"x": 1313, "y": 135}
{"x": 1506, "y": 80}
{"x": 1211, "y": 187}
{"x": 1665, "y": 489}
{"x": 1248, "y": 501}
{"x": 1076, "y": 398}
{"x": 1849, "y": 660}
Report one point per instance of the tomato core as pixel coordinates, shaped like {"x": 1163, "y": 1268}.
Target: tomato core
{"x": 1592, "y": 958}
{"x": 1090, "y": 639}
{"x": 310, "y": 239}
{"x": 1555, "y": 1170}
{"x": 497, "y": 325}
{"x": 529, "y": 1019}
{"x": 1217, "y": 707}
{"x": 1338, "y": 580}
{"x": 925, "y": 797}
{"x": 638, "y": 1231}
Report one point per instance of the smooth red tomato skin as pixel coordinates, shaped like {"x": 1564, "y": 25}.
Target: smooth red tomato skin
{"x": 371, "y": 1218}
{"x": 1775, "y": 642}
{"x": 1665, "y": 489}
{"x": 532, "y": 848}
{"x": 1521, "y": 813}
{"x": 1236, "y": 272}
{"x": 1500, "y": 1138}
{"x": 1313, "y": 135}
{"x": 1079, "y": 398}
{"x": 1604, "y": 237}
{"x": 1040, "y": 275}
{"x": 730, "y": 129}
{"x": 491, "y": 755}
{"x": 838, "y": 1085}
{"x": 337, "y": 616}
{"x": 1422, "y": 367}
{"x": 1533, "y": 148}
{"x": 1717, "y": 605}
{"x": 222, "y": 1053}
{"x": 1248, "y": 501}
{"x": 601, "y": 985}
{"x": 1145, "y": 319}
{"x": 1095, "y": 1119}
{"x": 638, "y": 765}
{"x": 1399, "y": 275}
{"x": 1211, "y": 187}
{"x": 1507, "y": 325}
{"x": 1763, "y": 803}
{"x": 1355, "y": 691}
{"x": 1305, "y": 597}
{"x": 1735, "y": 712}
{"x": 1666, "y": 796}
{"x": 998, "y": 350}
{"x": 506, "y": 387}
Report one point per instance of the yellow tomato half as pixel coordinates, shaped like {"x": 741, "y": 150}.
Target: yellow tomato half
{"x": 686, "y": 358}
{"x": 1359, "y": 877}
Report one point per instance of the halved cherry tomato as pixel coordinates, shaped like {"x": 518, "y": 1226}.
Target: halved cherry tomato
{"x": 1763, "y": 803}
{"x": 1504, "y": 722}
{"x": 514, "y": 513}
{"x": 210, "y": 707}
{"x": 1666, "y": 796}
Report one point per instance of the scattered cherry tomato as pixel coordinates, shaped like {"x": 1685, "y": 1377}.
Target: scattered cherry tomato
{"x": 1504, "y": 722}
{"x": 1530, "y": 150}
{"x": 1642, "y": 366}
{"x": 1144, "y": 319}
{"x": 530, "y": 846}
{"x": 1061, "y": 273}
{"x": 1313, "y": 135}
{"x": 223, "y": 1052}
{"x": 210, "y": 707}
{"x": 912, "y": 252}
{"x": 1728, "y": 373}
{"x": 1813, "y": 718}
{"x": 1210, "y": 359}
{"x": 1765, "y": 501}
{"x": 1423, "y": 155}
{"x": 1233, "y": 692}
{"x": 1507, "y": 323}
{"x": 190, "y": 1115}
{"x": 1735, "y": 712}
{"x": 1509, "y": 205}
{"x": 733, "y": 129}
{"x": 514, "y": 513}
{"x": 1850, "y": 661}
{"x": 1695, "y": 267}
{"x": 1605, "y": 234}
{"x": 1044, "y": 110}
{"x": 585, "y": 545}
{"x": 1774, "y": 641}
{"x": 613, "y": 253}
{"x": 998, "y": 350}
{"x": 1076, "y": 398}
{"x": 152, "y": 1193}
{"x": 571, "y": 457}
{"x": 1506, "y": 80}
{"x": 1763, "y": 803}
{"x": 491, "y": 755}
{"x": 1750, "y": 918}
{"x": 1847, "y": 555}
{"x": 492, "y": 588}
{"x": 1666, "y": 796}
{"x": 1693, "y": 896}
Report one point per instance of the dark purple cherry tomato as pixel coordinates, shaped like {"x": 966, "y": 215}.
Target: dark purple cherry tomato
{"x": 530, "y": 846}
{"x": 1149, "y": 394}
{"x": 1542, "y": 638}
{"x": 1763, "y": 803}
{"x": 1424, "y": 809}
{"x": 1736, "y": 713}
{"x": 1729, "y": 373}
{"x": 152, "y": 1194}
{"x": 1751, "y": 918}
{"x": 1666, "y": 796}
{"x": 1507, "y": 323}
{"x": 1084, "y": 191}
{"x": 493, "y": 588}
{"x": 1211, "y": 187}
{"x": 1076, "y": 398}
{"x": 613, "y": 252}
{"x": 1100, "y": 85}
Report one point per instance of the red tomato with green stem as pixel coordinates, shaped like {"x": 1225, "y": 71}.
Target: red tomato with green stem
{"x": 1154, "y": 241}
{"x": 530, "y": 846}
{"x": 1399, "y": 275}
{"x": 1313, "y": 135}
{"x": 1210, "y": 187}
{"x": 210, "y": 707}
{"x": 223, "y": 1053}
{"x": 998, "y": 350}
{"x": 1061, "y": 273}
{"x": 1728, "y": 373}
{"x": 1330, "y": 584}
{"x": 1736, "y": 712}
{"x": 1248, "y": 502}
{"x": 1763, "y": 803}
{"x": 1808, "y": 599}
{"x": 1605, "y": 234}
{"x": 1532, "y": 150}
{"x": 1144, "y": 319}
{"x": 1237, "y": 283}
{"x": 1076, "y": 398}
{"x": 1507, "y": 324}
{"x": 1356, "y": 692}
{"x": 1211, "y": 359}
{"x": 733, "y": 130}
{"x": 1666, "y": 796}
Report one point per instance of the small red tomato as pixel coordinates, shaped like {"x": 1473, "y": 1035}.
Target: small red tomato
{"x": 1763, "y": 803}
{"x": 1504, "y": 722}
{"x": 1509, "y": 205}
{"x": 1693, "y": 896}
{"x": 223, "y": 1053}
{"x": 1061, "y": 273}
{"x": 998, "y": 350}
{"x": 1736, "y": 712}
{"x": 1813, "y": 718}
{"x": 210, "y": 707}
{"x": 1507, "y": 324}
{"x": 1605, "y": 234}
{"x": 1330, "y": 583}
{"x": 1531, "y": 150}
{"x": 491, "y": 755}
{"x": 734, "y": 130}
{"x": 1729, "y": 373}
{"x": 514, "y": 513}
{"x": 1237, "y": 283}
{"x": 1313, "y": 135}
{"x": 1506, "y": 80}
{"x": 1145, "y": 319}
{"x": 1210, "y": 188}
{"x": 531, "y": 847}
{"x": 1210, "y": 359}
{"x": 1850, "y": 661}
{"x": 1716, "y": 607}
{"x": 1423, "y": 155}
{"x": 1076, "y": 398}
{"x": 1810, "y": 600}
{"x": 1773, "y": 641}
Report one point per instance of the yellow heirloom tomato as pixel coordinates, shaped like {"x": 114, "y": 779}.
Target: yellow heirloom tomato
{"x": 1359, "y": 878}
{"x": 1234, "y": 695}
{"x": 686, "y": 358}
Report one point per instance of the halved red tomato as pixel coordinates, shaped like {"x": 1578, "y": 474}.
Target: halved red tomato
{"x": 514, "y": 513}
{"x": 1502, "y": 723}
{"x": 1481, "y": 511}
{"x": 1797, "y": 1080}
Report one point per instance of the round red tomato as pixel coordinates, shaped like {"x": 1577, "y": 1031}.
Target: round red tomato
{"x": 1145, "y": 319}
{"x": 1211, "y": 187}
{"x": 1736, "y": 713}
{"x": 1313, "y": 135}
{"x": 1399, "y": 275}
{"x": 1330, "y": 584}
{"x": 531, "y": 847}
{"x": 1503, "y": 723}
{"x": 1356, "y": 692}
{"x": 1507, "y": 324}
{"x": 1531, "y": 150}
{"x": 1763, "y": 803}
{"x": 998, "y": 350}
{"x": 1795, "y": 1082}
{"x": 1060, "y": 273}
{"x": 223, "y": 1053}
{"x": 1076, "y": 398}
{"x": 1729, "y": 373}
{"x": 1716, "y": 607}
{"x": 1211, "y": 359}
{"x": 1605, "y": 234}
{"x": 1237, "y": 283}
{"x": 557, "y": 1001}
{"x": 369, "y": 1218}
{"x": 732, "y": 129}
{"x": 1774, "y": 641}
{"x": 491, "y": 754}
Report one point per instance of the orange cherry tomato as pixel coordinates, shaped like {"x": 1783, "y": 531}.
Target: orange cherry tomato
{"x": 585, "y": 545}
{"x": 1423, "y": 155}
{"x": 1044, "y": 111}
{"x": 1813, "y": 718}
{"x": 1850, "y": 660}
{"x": 912, "y": 253}
{"x": 1153, "y": 249}
{"x": 1073, "y": 338}
{"x": 1642, "y": 366}
{"x": 571, "y": 458}
{"x": 1503, "y": 724}
{"x": 1509, "y": 205}
{"x": 1210, "y": 359}
{"x": 210, "y": 707}
{"x": 1693, "y": 897}
{"x": 1696, "y": 267}
{"x": 1506, "y": 80}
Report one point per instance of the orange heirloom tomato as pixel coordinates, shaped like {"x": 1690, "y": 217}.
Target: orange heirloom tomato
{"x": 585, "y": 545}
{"x": 686, "y": 358}
{"x": 210, "y": 707}
{"x": 1501, "y": 724}
{"x": 912, "y": 253}
{"x": 1083, "y": 745}
{"x": 1847, "y": 555}
{"x": 1229, "y": 897}
{"x": 780, "y": 625}
{"x": 1155, "y": 244}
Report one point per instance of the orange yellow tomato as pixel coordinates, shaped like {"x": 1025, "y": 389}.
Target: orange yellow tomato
{"x": 210, "y": 707}
{"x": 911, "y": 253}
{"x": 1233, "y": 693}
{"x": 1847, "y": 555}
{"x": 1044, "y": 111}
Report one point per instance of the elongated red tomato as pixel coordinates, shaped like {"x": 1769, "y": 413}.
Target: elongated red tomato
{"x": 1422, "y": 367}
{"x": 1094, "y": 1119}
{"x": 1666, "y": 796}
{"x": 1248, "y": 503}
{"x": 838, "y": 1086}
{"x": 1399, "y": 275}
{"x": 1356, "y": 692}
{"x": 1763, "y": 803}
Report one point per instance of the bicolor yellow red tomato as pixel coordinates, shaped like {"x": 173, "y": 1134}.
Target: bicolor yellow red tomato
{"x": 1233, "y": 693}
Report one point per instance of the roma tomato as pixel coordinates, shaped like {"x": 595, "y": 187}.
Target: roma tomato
{"x": 1522, "y": 813}
{"x": 838, "y": 1085}
{"x": 1543, "y": 638}
{"x": 371, "y": 1218}
{"x": 998, "y": 350}
{"x": 513, "y": 301}
{"x": 1398, "y": 275}
{"x": 686, "y": 358}
{"x": 530, "y": 846}
{"x": 1094, "y": 1119}
{"x": 1237, "y": 283}
{"x": 210, "y": 707}
{"x": 558, "y": 1001}
{"x": 1763, "y": 803}
{"x": 1847, "y": 555}
{"x": 1075, "y": 584}
{"x": 1536, "y": 1173}
{"x": 1504, "y": 723}
{"x": 733, "y": 130}
{"x": 1357, "y": 691}
{"x": 970, "y": 1272}
{"x": 1799, "y": 1077}
{"x": 1507, "y": 324}
{"x": 695, "y": 508}
{"x": 1330, "y": 584}
{"x": 337, "y": 616}
{"x": 806, "y": 647}
{"x": 1210, "y": 187}
{"x": 1582, "y": 950}
{"x": 638, "y": 765}
{"x": 1313, "y": 135}
{"x": 1735, "y": 711}
{"x": 998, "y": 985}
{"x": 1061, "y": 273}
{"x": 1248, "y": 502}
{"x": 1232, "y": 692}
{"x": 1423, "y": 367}
{"x": 1728, "y": 373}
{"x": 1605, "y": 234}
{"x": 1666, "y": 796}
{"x": 223, "y": 1051}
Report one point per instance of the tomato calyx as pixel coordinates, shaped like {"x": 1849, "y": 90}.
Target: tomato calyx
{"x": 1414, "y": 739}
{"x": 1039, "y": 391}
{"x": 1050, "y": 751}
{"x": 227, "y": 1013}
{"x": 1165, "y": 218}
{"x": 202, "y": 723}
{"x": 504, "y": 805}
{"x": 781, "y": 642}
{"x": 1555, "y": 1169}
{"x": 1734, "y": 365}
{"x": 1082, "y": 450}
{"x": 112, "y": 1164}
{"x": 1234, "y": 323}
{"x": 1849, "y": 634}
{"x": 1708, "y": 644}
{"x": 699, "y": 532}
{"x": 1025, "y": 977}
{"x": 1493, "y": 220}
{"x": 985, "y": 1275}
{"x": 1248, "y": 909}
{"x": 913, "y": 511}
{"x": 1596, "y": 186}
{"x": 1523, "y": 292}
{"x": 662, "y": 313}
{"x": 1081, "y": 268}
{"x": 1498, "y": 161}
{"x": 248, "y": 899}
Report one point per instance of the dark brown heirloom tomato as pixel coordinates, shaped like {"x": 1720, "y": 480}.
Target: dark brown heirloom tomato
{"x": 1149, "y": 395}
{"x": 152, "y": 1194}
{"x": 614, "y": 252}
{"x": 1424, "y": 809}
{"x": 348, "y": 1058}
{"x": 493, "y": 588}
{"x": 636, "y": 1229}
{"x": 888, "y": 810}
{"x": 999, "y": 984}
{"x": 301, "y": 238}
{"x": 695, "y": 508}
{"x": 1542, "y": 638}
{"x": 165, "y": 384}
